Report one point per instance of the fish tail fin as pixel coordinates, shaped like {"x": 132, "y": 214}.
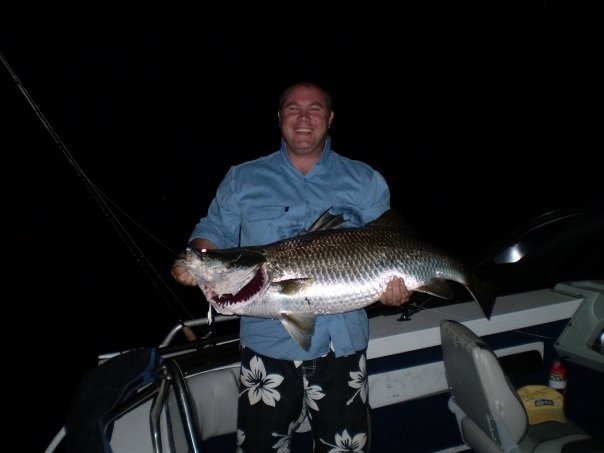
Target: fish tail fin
{"x": 482, "y": 293}
{"x": 300, "y": 326}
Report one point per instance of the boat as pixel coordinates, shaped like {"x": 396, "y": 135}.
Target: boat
{"x": 548, "y": 276}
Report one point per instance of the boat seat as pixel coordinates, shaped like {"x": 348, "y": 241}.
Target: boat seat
{"x": 490, "y": 414}
{"x": 215, "y": 394}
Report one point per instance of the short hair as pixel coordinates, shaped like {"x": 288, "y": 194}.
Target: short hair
{"x": 289, "y": 89}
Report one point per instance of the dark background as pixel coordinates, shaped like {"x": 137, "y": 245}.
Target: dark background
{"x": 479, "y": 116}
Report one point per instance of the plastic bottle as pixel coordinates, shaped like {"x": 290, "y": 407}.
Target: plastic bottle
{"x": 558, "y": 377}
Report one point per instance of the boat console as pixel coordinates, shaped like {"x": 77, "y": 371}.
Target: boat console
{"x": 582, "y": 341}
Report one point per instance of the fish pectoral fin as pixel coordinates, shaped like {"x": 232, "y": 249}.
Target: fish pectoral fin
{"x": 437, "y": 287}
{"x": 292, "y": 286}
{"x": 300, "y": 326}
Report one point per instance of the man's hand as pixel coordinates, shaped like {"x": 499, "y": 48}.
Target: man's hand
{"x": 396, "y": 293}
{"x": 181, "y": 274}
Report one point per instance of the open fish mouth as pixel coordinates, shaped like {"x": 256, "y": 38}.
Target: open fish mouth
{"x": 244, "y": 296}
{"x": 228, "y": 281}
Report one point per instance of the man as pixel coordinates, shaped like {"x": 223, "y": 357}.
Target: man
{"x": 276, "y": 197}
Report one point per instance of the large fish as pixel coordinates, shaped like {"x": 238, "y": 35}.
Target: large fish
{"x": 328, "y": 269}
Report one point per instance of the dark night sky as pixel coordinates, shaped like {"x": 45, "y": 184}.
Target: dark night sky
{"x": 477, "y": 116}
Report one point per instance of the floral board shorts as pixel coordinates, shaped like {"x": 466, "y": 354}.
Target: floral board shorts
{"x": 277, "y": 396}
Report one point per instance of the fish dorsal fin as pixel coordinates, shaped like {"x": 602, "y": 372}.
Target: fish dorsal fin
{"x": 390, "y": 218}
{"x": 394, "y": 219}
{"x": 326, "y": 221}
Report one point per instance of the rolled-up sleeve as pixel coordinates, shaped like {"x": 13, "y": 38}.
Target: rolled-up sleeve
{"x": 222, "y": 223}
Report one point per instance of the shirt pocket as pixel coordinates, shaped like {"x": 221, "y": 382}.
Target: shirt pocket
{"x": 263, "y": 224}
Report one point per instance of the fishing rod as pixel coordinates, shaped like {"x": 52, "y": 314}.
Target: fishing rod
{"x": 102, "y": 201}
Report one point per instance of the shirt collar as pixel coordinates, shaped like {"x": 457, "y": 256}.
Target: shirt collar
{"x": 326, "y": 151}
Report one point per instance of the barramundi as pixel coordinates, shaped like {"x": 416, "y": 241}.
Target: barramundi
{"x": 325, "y": 270}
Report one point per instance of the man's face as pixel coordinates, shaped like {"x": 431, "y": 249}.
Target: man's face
{"x": 305, "y": 119}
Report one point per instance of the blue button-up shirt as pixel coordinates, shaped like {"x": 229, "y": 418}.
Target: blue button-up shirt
{"x": 268, "y": 199}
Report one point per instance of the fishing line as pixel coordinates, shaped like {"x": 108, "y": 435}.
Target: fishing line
{"x": 418, "y": 307}
{"x": 103, "y": 202}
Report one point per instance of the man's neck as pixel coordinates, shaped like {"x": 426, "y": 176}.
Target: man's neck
{"x": 305, "y": 161}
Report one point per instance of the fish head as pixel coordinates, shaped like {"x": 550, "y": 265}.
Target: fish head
{"x": 229, "y": 279}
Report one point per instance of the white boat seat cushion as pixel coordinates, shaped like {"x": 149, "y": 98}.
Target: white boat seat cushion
{"x": 479, "y": 387}
{"x": 215, "y": 394}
